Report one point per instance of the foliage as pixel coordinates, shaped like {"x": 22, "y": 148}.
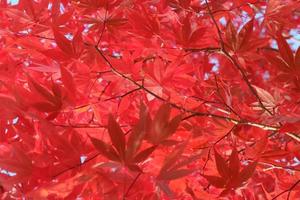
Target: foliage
{"x": 147, "y": 99}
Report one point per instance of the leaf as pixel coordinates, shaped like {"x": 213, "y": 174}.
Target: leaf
{"x": 62, "y": 42}
{"x": 245, "y": 34}
{"x": 172, "y": 126}
{"x": 134, "y": 167}
{"x": 77, "y": 43}
{"x": 116, "y": 135}
{"x": 161, "y": 127}
{"x": 275, "y": 153}
{"x": 231, "y": 35}
{"x": 234, "y": 163}
{"x": 42, "y": 91}
{"x": 57, "y": 92}
{"x": 221, "y": 165}
{"x": 185, "y": 161}
{"x": 8, "y": 103}
{"x": 165, "y": 187}
{"x": 265, "y": 96}
{"x": 143, "y": 155}
{"x": 257, "y": 150}
{"x": 17, "y": 161}
{"x": 247, "y": 172}
{"x": 216, "y": 181}
{"x": 45, "y": 106}
{"x": 274, "y": 59}
{"x": 173, "y": 157}
{"x": 67, "y": 80}
{"x": 171, "y": 175}
{"x": 290, "y": 127}
{"x": 138, "y": 133}
{"x": 285, "y": 50}
{"x": 105, "y": 149}
{"x": 197, "y": 35}
{"x": 161, "y": 118}
{"x": 186, "y": 31}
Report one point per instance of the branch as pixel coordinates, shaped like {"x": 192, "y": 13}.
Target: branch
{"x": 289, "y": 190}
{"x": 207, "y": 49}
{"x": 75, "y": 166}
{"x": 214, "y": 144}
{"x": 123, "y": 95}
{"x": 223, "y": 100}
{"x": 104, "y": 23}
{"x": 131, "y": 185}
{"x": 192, "y": 112}
{"x": 234, "y": 62}
{"x": 274, "y": 166}
{"x": 79, "y": 125}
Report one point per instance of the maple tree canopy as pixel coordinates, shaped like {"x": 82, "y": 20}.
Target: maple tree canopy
{"x": 150, "y": 99}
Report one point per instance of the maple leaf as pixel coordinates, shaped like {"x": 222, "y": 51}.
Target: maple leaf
{"x": 119, "y": 151}
{"x": 161, "y": 127}
{"x": 230, "y": 174}
{"x": 172, "y": 168}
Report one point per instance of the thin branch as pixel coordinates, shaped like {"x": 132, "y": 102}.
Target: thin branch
{"x": 234, "y": 62}
{"x": 123, "y": 95}
{"x": 75, "y": 166}
{"x": 192, "y": 112}
{"x": 131, "y": 185}
{"x": 104, "y": 23}
{"x": 79, "y": 125}
{"x": 236, "y": 7}
{"x": 287, "y": 190}
{"x": 207, "y": 49}
{"x": 223, "y": 100}
{"x": 274, "y": 166}
{"x": 215, "y": 143}
{"x": 216, "y": 25}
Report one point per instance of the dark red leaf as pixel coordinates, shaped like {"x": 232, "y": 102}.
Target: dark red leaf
{"x": 116, "y": 135}
{"x": 172, "y": 175}
{"x": 105, "y": 149}
{"x": 247, "y": 172}
{"x": 285, "y": 50}
{"x": 245, "y": 34}
{"x": 143, "y": 155}
{"x": 234, "y": 163}
{"x": 216, "y": 181}
{"x": 221, "y": 165}
{"x": 68, "y": 80}
{"x": 62, "y": 42}
{"x": 41, "y": 90}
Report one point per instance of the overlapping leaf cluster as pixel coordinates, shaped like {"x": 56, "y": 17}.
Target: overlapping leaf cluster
{"x": 147, "y": 99}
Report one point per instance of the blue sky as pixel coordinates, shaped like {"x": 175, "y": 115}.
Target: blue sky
{"x": 13, "y": 2}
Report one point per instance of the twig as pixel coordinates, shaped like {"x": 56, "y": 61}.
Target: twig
{"x": 287, "y": 190}
{"x": 131, "y": 185}
{"x": 75, "y": 166}
{"x": 234, "y": 62}
{"x": 123, "y": 95}
{"x": 223, "y": 100}
{"x": 104, "y": 24}
{"x": 192, "y": 112}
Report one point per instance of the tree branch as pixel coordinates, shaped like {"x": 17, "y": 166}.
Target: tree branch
{"x": 131, "y": 185}
{"x": 287, "y": 190}
{"x": 192, "y": 112}
{"x": 234, "y": 62}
